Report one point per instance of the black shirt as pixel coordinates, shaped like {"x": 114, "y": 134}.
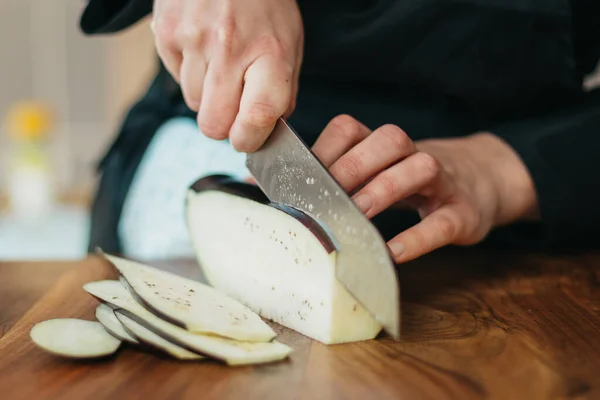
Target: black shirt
{"x": 436, "y": 68}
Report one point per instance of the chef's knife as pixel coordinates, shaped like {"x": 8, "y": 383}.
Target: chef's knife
{"x": 289, "y": 173}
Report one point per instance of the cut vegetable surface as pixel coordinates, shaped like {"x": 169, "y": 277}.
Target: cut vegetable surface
{"x": 190, "y": 304}
{"x": 231, "y": 351}
{"x": 74, "y": 338}
{"x": 152, "y": 339}
{"x": 106, "y": 316}
{"x": 279, "y": 262}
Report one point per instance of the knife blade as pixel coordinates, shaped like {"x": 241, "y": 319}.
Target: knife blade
{"x": 289, "y": 173}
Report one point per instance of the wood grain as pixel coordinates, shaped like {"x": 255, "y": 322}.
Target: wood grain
{"x": 476, "y": 325}
{"x": 22, "y": 284}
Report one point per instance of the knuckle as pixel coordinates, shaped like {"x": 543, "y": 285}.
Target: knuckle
{"x": 474, "y": 224}
{"x": 192, "y": 102}
{"x": 262, "y": 115}
{"x": 346, "y": 127}
{"x": 241, "y": 145}
{"x": 387, "y": 185}
{"x": 226, "y": 31}
{"x": 396, "y": 137}
{"x": 447, "y": 226}
{"x": 165, "y": 29}
{"x": 287, "y": 72}
{"x": 269, "y": 44}
{"x": 350, "y": 166}
{"x": 191, "y": 33}
{"x": 212, "y": 130}
{"x": 419, "y": 242}
{"x": 427, "y": 165}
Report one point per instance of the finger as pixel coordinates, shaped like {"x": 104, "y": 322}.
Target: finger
{"x": 293, "y": 97}
{"x": 295, "y": 79}
{"x": 412, "y": 202}
{"x": 340, "y": 135}
{"x": 220, "y": 99}
{"x": 384, "y": 147}
{"x": 266, "y": 97}
{"x": 438, "y": 229}
{"x": 166, "y": 42}
{"x": 193, "y": 73}
{"x": 172, "y": 62}
{"x": 396, "y": 183}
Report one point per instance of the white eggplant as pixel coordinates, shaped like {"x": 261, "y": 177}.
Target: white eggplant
{"x": 230, "y": 351}
{"x": 274, "y": 259}
{"x": 190, "y": 304}
{"x": 106, "y": 316}
{"x": 74, "y": 338}
{"x": 151, "y": 339}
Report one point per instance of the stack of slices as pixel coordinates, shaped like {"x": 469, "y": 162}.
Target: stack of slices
{"x": 151, "y": 309}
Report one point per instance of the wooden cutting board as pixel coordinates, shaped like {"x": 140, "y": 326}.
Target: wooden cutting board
{"x": 27, "y": 372}
{"x": 492, "y": 336}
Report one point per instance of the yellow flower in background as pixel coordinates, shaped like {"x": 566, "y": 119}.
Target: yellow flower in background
{"x": 29, "y": 121}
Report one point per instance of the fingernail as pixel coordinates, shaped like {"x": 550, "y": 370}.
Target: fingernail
{"x": 364, "y": 202}
{"x": 397, "y": 248}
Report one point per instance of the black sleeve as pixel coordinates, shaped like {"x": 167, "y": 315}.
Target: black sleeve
{"x": 562, "y": 154}
{"x": 110, "y": 16}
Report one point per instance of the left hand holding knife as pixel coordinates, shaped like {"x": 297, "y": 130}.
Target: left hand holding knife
{"x": 461, "y": 187}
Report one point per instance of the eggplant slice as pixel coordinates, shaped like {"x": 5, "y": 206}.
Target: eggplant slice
{"x": 106, "y": 316}
{"x": 153, "y": 340}
{"x": 190, "y": 304}
{"x": 230, "y": 351}
{"x": 74, "y": 338}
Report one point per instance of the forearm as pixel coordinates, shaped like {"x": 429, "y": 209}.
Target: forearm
{"x": 560, "y": 151}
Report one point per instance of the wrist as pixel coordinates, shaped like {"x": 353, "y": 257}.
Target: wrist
{"x": 512, "y": 183}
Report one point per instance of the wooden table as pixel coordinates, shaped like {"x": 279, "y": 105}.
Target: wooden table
{"x": 474, "y": 325}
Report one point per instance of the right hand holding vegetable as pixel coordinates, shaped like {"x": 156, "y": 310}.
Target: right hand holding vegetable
{"x": 237, "y": 62}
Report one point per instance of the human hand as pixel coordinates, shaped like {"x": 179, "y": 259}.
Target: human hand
{"x": 461, "y": 187}
{"x": 237, "y": 62}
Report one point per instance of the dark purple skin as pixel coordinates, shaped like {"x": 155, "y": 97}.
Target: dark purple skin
{"x": 148, "y": 306}
{"x": 228, "y": 184}
{"x": 136, "y": 296}
{"x": 174, "y": 340}
{"x": 123, "y": 342}
{"x": 158, "y": 332}
{"x": 139, "y": 298}
{"x": 148, "y": 347}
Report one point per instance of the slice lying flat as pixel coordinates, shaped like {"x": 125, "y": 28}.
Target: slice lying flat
{"x": 230, "y": 351}
{"x": 74, "y": 338}
{"x": 153, "y": 340}
{"x": 106, "y": 316}
{"x": 190, "y": 304}
{"x": 274, "y": 259}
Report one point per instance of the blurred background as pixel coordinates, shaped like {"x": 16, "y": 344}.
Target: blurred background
{"x": 62, "y": 98}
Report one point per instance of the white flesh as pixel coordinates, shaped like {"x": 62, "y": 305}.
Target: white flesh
{"x": 106, "y": 316}
{"x": 271, "y": 262}
{"x": 198, "y": 307}
{"x": 231, "y": 351}
{"x": 74, "y": 338}
{"x": 152, "y": 339}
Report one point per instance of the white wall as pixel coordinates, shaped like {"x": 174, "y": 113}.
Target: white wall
{"x": 89, "y": 81}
